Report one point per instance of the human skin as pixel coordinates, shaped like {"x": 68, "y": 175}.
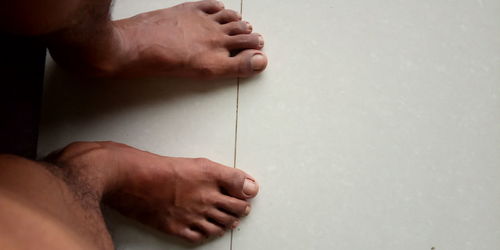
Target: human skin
{"x": 196, "y": 40}
{"x": 57, "y": 202}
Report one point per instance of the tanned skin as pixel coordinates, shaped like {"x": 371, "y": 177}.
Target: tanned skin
{"x": 55, "y": 203}
{"x": 195, "y": 40}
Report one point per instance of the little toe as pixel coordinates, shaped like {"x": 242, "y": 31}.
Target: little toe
{"x": 209, "y": 228}
{"x": 237, "y": 28}
{"x": 221, "y": 218}
{"x": 245, "y": 41}
{"x": 226, "y": 16}
{"x": 234, "y": 206}
{"x": 191, "y": 235}
{"x": 209, "y": 6}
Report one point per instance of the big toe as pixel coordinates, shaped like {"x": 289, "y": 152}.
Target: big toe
{"x": 251, "y": 62}
{"x": 250, "y": 188}
{"x": 238, "y": 183}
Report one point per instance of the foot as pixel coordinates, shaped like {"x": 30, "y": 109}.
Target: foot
{"x": 196, "y": 39}
{"x": 194, "y": 199}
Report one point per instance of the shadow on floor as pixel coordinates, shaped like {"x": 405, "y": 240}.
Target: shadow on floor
{"x": 70, "y": 97}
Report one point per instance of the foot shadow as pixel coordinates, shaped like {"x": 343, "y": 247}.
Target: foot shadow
{"x": 70, "y": 98}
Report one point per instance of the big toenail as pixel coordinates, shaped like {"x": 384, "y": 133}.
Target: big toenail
{"x": 258, "y": 63}
{"x": 250, "y": 187}
{"x": 247, "y": 210}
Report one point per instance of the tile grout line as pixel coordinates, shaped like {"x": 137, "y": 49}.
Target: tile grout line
{"x": 236, "y": 127}
{"x": 235, "y": 143}
{"x": 237, "y": 105}
{"x": 236, "y": 123}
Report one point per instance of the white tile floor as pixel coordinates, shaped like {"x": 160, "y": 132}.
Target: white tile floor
{"x": 376, "y": 125}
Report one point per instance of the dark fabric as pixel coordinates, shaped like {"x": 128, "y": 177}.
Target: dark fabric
{"x": 21, "y": 82}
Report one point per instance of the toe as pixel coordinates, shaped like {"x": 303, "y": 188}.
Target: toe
{"x": 235, "y": 182}
{"x": 191, "y": 235}
{"x": 246, "y": 63}
{"x": 249, "y": 62}
{"x": 250, "y": 188}
{"x": 226, "y": 16}
{"x": 234, "y": 206}
{"x": 209, "y": 6}
{"x": 245, "y": 41}
{"x": 209, "y": 228}
{"x": 221, "y": 218}
{"x": 237, "y": 28}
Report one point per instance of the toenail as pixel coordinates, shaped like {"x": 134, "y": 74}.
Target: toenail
{"x": 258, "y": 64}
{"x": 235, "y": 224}
{"x": 261, "y": 41}
{"x": 250, "y": 187}
{"x": 247, "y": 210}
{"x": 249, "y": 26}
{"x": 221, "y": 4}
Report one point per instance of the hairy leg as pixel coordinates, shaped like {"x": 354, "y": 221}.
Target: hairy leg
{"x": 56, "y": 205}
{"x": 194, "y": 199}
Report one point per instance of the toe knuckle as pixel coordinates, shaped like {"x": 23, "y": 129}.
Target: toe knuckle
{"x": 202, "y": 161}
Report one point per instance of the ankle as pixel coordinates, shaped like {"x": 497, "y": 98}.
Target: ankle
{"x": 93, "y": 164}
{"x": 96, "y": 52}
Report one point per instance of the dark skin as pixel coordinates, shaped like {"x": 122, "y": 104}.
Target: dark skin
{"x": 179, "y": 196}
{"x": 192, "y": 40}
{"x": 57, "y": 201}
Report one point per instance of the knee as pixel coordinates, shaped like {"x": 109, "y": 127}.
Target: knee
{"x": 17, "y": 171}
{"x": 9, "y": 161}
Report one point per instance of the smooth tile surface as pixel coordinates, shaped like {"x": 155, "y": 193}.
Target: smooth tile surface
{"x": 376, "y": 126}
{"x": 165, "y": 116}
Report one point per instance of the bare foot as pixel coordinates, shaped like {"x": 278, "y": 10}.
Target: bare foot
{"x": 193, "y": 39}
{"x": 191, "y": 198}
